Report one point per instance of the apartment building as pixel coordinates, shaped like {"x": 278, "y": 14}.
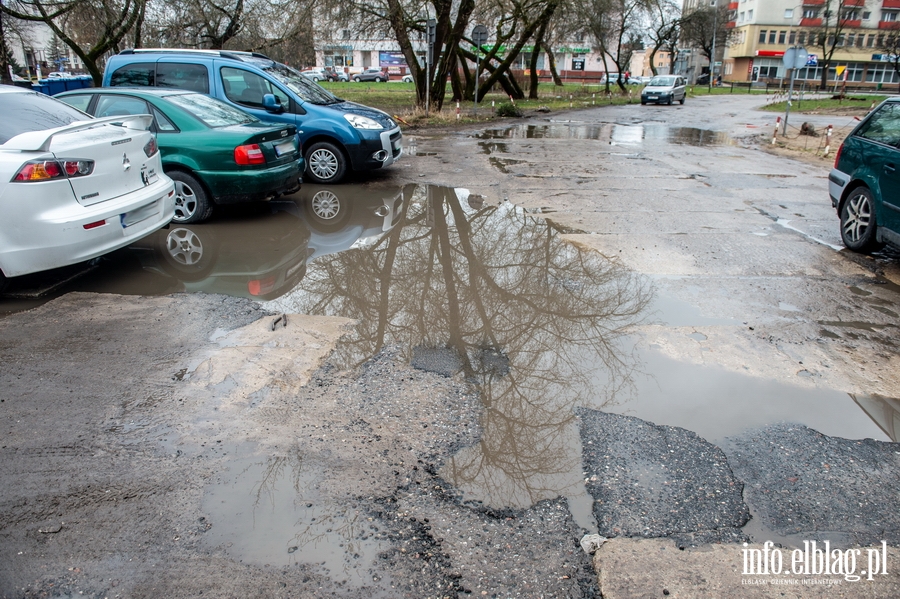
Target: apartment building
{"x": 761, "y": 30}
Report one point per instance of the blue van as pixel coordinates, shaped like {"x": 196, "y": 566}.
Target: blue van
{"x": 336, "y": 136}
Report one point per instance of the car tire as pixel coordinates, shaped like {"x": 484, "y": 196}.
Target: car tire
{"x": 326, "y": 212}
{"x": 378, "y": 79}
{"x": 192, "y": 205}
{"x": 858, "y": 224}
{"x": 643, "y": 103}
{"x": 681, "y": 101}
{"x": 3, "y": 281}
{"x": 356, "y": 79}
{"x": 188, "y": 253}
{"x": 325, "y": 163}
{"x": 670, "y": 100}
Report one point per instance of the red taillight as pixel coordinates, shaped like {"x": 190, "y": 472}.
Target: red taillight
{"x": 837, "y": 157}
{"x": 151, "y": 148}
{"x": 39, "y": 170}
{"x": 259, "y": 287}
{"x": 94, "y": 225}
{"x": 46, "y": 170}
{"x": 249, "y": 154}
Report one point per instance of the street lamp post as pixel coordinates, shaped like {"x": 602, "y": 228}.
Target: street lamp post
{"x": 712, "y": 58}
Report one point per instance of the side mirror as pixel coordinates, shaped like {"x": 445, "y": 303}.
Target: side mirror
{"x": 272, "y": 104}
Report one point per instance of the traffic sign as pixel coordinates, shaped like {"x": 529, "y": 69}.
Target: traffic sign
{"x": 795, "y": 58}
{"x": 479, "y": 35}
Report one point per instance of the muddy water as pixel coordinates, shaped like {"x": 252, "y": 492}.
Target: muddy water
{"x": 612, "y": 133}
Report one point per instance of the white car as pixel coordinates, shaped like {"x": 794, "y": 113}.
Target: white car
{"x": 73, "y": 188}
{"x": 316, "y": 74}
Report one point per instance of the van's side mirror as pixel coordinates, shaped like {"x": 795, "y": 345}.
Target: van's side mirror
{"x": 272, "y": 104}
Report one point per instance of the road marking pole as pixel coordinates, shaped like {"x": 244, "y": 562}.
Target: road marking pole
{"x": 775, "y": 133}
{"x": 457, "y": 110}
{"x": 827, "y": 141}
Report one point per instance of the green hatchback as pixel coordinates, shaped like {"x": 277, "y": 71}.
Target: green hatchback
{"x": 215, "y": 153}
{"x": 864, "y": 184}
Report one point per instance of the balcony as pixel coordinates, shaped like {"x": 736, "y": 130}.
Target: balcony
{"x": 889, "y": 24}
{"x": 854, "y": 3}
{"x": 851, "y": 23}
{"x": 730, "y": 25}
{"x": 811, "y": 22}
{"x": 734, "y": 5}
{"x": 890, "y": 4}
{"x": 813, "y": 2}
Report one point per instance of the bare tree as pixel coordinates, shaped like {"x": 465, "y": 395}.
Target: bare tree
{"x": 701, "y": 26}
{"x": 616, "y": 27}
{"x": 664, "y": 29}
{"x": 890, "y": 46}
{"x": 103, "y": 24}
{"x": 828, "y": 35}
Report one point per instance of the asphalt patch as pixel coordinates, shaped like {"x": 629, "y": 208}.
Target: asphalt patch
{"x": 659, "y": 481}
{"x": 801, "y": 482}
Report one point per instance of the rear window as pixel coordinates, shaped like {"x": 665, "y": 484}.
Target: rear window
{"x": 139, "y": 74}
{"x": 210, "y": 111}
{"x": 884, "y": 125}
{"x": 25, "y": 112}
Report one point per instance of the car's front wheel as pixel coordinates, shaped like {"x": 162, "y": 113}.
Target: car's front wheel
{"x": 192, "y": 205}
{"x": 681, "y": 101}
{"x": 325, "y": 163}
{"x": 378, "y": 79}
{"x": 858, "y": 224}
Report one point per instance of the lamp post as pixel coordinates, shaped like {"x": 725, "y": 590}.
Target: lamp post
{"x": 712, "y": 58}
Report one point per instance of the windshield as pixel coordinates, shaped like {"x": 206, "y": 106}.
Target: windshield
{"x": 25, "y": 112}
{"x": 214, "y": 113}
{"x": 663, "y": 81}
{"x": 306, "y": 88}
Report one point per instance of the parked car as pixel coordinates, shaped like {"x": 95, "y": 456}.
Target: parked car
{"x": 372, "y": 74}
{"x": 864, "y": 184}
{"x": 408, "y": 78}
{"x": 316, "y": 74}
{"x": 638, "y": 80}
{"x": 336, "y": 74}
{"x": 216, "y": 153}
{"x": 337, "y": 136}
{"x": 73, "y": 188}
{"x": 664, "y": 89}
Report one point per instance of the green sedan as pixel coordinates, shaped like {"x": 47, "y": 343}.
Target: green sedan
{"x": 215, "y": 153}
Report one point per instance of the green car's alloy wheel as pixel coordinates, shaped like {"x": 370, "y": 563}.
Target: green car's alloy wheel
{"x": 325, "y": 163}
{"x": 858, "y": 221}
{"x": 191, "y": 203}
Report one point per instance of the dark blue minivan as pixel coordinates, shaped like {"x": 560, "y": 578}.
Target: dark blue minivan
{"x": 336, "y": 136}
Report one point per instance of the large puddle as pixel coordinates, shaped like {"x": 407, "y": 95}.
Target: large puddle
{"x": 612, "y": 132}
{"x": 487, "y": 292}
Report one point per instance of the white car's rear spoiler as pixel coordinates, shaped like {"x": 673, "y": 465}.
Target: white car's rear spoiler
{"x": 39, "y": 141}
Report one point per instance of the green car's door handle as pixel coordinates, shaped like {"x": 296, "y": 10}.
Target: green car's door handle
{"x": 889, "y": 168}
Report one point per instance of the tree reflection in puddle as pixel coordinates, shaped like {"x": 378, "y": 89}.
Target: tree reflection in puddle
{"x": 529, "y": 319}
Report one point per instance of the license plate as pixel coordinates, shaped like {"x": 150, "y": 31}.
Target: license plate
{"x": 284, "y": 148}
{"x": 135, "y": 216}
{"x": 651, "y": 97}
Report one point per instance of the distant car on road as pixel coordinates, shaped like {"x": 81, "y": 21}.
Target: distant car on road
{"x": 664, "y": 89}
{"x": 408, "y": 78}
{"x": 864, "y": 184}
{"x": 372, "y": 74}
{"x": 215, "y": 153}
{"x": 73, "y": 188}
{"x": 336, "y": 74}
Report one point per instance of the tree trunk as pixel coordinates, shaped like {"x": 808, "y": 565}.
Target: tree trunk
{"x": 535, "y": 52}
{"x": 552, "y": 59}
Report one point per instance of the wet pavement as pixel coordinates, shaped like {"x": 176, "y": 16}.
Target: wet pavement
{"x": 628, "y": 341}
